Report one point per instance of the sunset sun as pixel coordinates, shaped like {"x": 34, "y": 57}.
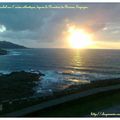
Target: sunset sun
{"x": 78, "y": 38}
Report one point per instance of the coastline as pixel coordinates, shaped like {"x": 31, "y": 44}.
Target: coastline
{"x": 95, "y": 93}
{"x": 16, "y": 82}
{"x": 18, "y": 104}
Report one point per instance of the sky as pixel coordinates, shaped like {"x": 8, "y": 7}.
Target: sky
{"x": 46, "y": 28}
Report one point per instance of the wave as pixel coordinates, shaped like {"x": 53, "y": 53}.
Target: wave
{"x": 4, "y": 72}
{"x": 55, "y": 80}
{"x": 87, "y": 75}
{"x": 94, "y": 70}
{"x": 14, "y": 53}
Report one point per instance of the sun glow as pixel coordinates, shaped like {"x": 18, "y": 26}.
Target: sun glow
{"x": 78, "y": 38}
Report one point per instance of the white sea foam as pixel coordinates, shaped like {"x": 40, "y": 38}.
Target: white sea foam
{"x": 54, "y": 80}
{"x": 4, "y": 72}
{"x": 15, "y": 53}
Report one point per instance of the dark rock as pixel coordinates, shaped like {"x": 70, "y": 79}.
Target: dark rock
{"x": 22, "y": 75}
{"x": 3, "y": 52}
{"x": 41, "y": 74}
{"x": 18, "y": 84}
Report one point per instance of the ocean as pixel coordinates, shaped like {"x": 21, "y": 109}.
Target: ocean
{"x": 63, "y": 67}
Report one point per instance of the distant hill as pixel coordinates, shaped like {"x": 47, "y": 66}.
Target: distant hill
{"x": 9, "y": 45}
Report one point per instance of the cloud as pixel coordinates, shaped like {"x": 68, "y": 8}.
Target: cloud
{"x": 45, "y": 26}
{"x": 105, "y": 28}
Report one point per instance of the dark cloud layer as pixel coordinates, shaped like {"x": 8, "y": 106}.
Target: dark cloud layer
{"x": 45, "y": 26}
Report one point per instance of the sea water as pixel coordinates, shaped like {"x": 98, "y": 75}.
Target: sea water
{"x": 63, "y": 67}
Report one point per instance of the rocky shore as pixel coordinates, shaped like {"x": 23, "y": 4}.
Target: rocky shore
{"x": 22, "y": 89}
{"x": 18, "y": 84}
{"x": 16, "y": 90}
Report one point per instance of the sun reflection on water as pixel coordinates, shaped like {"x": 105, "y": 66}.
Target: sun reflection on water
{"x": 77, "y": 60}
{"x": 80, "y": 81}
